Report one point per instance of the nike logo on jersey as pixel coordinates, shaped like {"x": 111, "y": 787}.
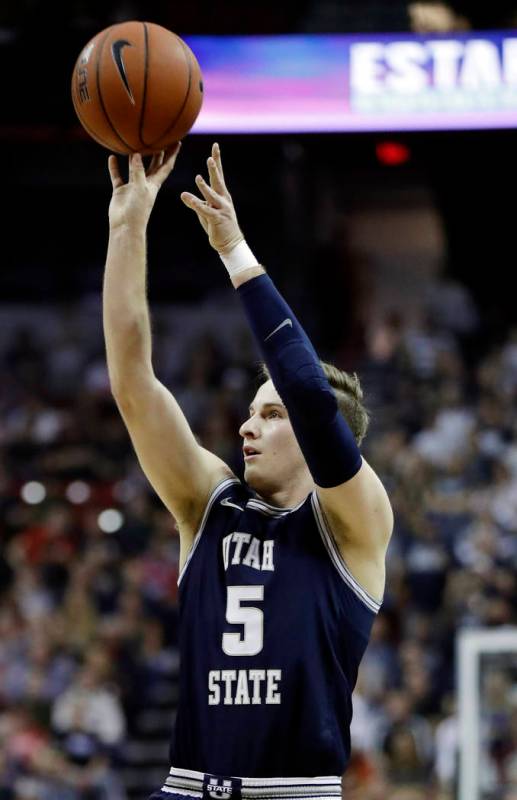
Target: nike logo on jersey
{"x": 116, "y": 52}
{"x": 227, "y": 502}
{"x": 286, "y": 321}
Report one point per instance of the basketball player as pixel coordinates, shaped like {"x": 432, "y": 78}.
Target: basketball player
{"x": 280, "y": 576}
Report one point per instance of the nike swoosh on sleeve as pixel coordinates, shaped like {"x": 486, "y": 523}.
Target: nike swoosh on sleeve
{"x": 287, "y": 321}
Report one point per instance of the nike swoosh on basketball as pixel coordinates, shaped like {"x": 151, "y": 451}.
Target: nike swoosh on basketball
{"x": 287, "y": 321}
{"x": 116, "y": 52}
{"x": 227, "y": 502}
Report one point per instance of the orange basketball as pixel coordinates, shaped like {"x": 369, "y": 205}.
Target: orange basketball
{"x": 137, "y": 87}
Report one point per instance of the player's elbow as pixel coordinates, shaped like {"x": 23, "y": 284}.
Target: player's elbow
{"x": 133, "y": 390}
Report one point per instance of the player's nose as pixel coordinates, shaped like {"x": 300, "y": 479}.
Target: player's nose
{"x": 249, "y": 428}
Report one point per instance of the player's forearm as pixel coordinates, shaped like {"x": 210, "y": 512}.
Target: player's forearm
{"x": 325, "y": 439}
{"x": 127, "y": 329}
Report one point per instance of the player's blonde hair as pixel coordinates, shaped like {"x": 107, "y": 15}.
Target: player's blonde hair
{"x": 349, "y": 396}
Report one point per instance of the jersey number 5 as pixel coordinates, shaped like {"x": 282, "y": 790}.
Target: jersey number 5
{"x": 251, "y": 641}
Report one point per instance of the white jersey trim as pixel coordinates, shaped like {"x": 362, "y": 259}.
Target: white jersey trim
{"x": 337, "y": 559}
{"x": 213, "y": 497}
{"x": 272, "y": 511}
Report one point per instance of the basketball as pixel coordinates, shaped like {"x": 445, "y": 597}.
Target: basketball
{"x": 137, "y": 87}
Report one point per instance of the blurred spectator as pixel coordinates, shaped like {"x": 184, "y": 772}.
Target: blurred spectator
{"x": 460, "y": 15}
{"x": 431, "y": 17}
{"x": 405, "y": 765}
{"x": 446, "y": 746}
{"x": 406, "y": 737}
{"x": 90, "y": 705}
{"x": 26, "y": 360}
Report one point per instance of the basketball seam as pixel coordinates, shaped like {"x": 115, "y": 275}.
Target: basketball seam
{"x": 97, "y": 71}
{"x": 144, "y": 98}
{"x": 96, "y": 136}
{"x": 189, "y": 83}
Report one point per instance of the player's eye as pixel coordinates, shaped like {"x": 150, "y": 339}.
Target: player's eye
{"x": 273, "y": 414}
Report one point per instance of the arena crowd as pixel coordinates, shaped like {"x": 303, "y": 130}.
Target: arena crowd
{"x": 89, "y": 556}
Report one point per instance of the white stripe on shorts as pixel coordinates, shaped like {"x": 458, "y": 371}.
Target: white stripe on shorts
{"x": 187, "y": 782}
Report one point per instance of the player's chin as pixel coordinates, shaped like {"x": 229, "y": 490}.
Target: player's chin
{"x": 253, "y": 476}
{"x": 250, "y": 469}
{"x": 258, "y": 480}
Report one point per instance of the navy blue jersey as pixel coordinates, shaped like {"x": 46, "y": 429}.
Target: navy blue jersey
{"x": 272, "y": 629}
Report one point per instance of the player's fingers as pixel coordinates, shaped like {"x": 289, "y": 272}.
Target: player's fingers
{"x": 198, "y": 206}
{"x": 136, "y": 168}
{"x": 156, "y": 162}
{"x": 114, "y": 171}
{"x": 168, "y": 160}
{"x": 201, "y": 207}
{"x": 173, "y": 151}
{"x": 215, "y": 178}
{"x": 216, "y": 156}
{"x": 212, "y": 198}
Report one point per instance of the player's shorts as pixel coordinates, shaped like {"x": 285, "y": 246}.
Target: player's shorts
{"x": 182, "y": 784}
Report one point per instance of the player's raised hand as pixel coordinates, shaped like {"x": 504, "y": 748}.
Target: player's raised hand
{"x": 216, "y": 211}
{"x": 132, "y": 201}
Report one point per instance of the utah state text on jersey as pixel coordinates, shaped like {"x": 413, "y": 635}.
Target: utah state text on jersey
{"x": 248, "y": 550}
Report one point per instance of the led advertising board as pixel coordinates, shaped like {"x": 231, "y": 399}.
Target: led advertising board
{"x": 309, "y": 83}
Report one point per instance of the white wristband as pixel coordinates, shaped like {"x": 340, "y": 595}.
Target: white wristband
{"x": 238, "y": 259}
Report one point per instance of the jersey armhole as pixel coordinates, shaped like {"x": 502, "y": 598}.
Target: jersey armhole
{"x": 337, "y": 559}
{"x": 219, "y": 489}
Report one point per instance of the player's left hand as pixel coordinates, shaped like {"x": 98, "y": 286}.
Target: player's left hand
{"x": 216, "y": 212}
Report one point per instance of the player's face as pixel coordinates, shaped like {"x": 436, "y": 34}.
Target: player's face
{"x": 272, "y": 457}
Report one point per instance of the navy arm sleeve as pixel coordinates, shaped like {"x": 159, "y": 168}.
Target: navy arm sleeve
{"x": 325, "y": 439}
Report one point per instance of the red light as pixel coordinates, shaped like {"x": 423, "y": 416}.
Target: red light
{"x": 391, "y": 154}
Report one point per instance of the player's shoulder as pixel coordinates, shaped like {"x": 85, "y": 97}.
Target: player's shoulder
{"x": 226, "y": 487}
{"x": 230, "y": 493}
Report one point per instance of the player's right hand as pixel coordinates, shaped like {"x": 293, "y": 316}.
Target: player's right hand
{"x": 216, "y": 212}
{"x": 132, "y": 202}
